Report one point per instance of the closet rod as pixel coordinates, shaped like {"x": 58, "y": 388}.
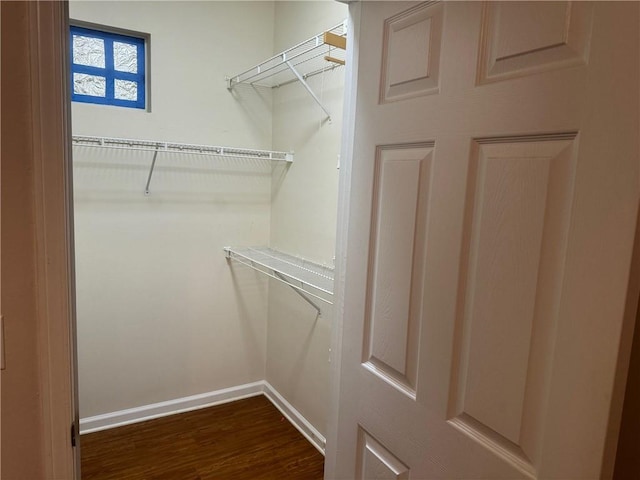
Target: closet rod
{"x": 328, "y": 68}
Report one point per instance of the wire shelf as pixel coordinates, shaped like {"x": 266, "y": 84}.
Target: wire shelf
{"x": 309, "y": 57}
{"x": 179, "y": 148}
{"x": 187, "y": 148}
{"x": 307, "y": 277}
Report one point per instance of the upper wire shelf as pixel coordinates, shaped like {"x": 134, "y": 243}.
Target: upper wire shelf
{"x": 179, "y": 148}
{"x": 322, "y": 52}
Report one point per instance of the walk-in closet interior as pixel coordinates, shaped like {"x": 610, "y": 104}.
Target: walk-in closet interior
{"x": 205, "y": 216}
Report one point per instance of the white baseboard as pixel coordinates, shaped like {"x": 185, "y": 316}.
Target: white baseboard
{"x": 295, "y": 417}
{"x": 203, "y": 400}
{"x": 170, "y": 407}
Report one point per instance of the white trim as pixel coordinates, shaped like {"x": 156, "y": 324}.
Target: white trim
{"x": 53, "y": 227}
{"x": 169, "y": 407}
{"x": 295, "y": 418}
{"x": 344, "y": 198}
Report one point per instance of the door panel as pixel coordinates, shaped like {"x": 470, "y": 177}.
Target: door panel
{"x": 376, "y": 462}
{"x": 528, "y": 37}
{"x": 492, "y": 212}
{"x": 515, "y": 234}
{"x": 411, "y": 53}
{"x": 395, "y": 292}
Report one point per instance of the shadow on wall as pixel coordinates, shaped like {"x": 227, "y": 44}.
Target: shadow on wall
{"x": 254, "y": 101}
{"x": 249, "y": 285}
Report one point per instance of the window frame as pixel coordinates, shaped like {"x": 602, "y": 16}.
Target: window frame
{"x": 108, "y": 35}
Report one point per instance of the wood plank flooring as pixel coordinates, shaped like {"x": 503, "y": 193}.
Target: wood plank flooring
{"x": 247, "y": 439}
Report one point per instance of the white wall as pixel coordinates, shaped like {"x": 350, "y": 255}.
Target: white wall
{"x": 194, "y": 45}
{"x": 160, "y": 313}
{"x": 303, "y": 216}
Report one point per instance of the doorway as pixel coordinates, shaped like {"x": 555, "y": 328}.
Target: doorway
{"x": 181, "y": 178}
{"x": 62, "y": 391}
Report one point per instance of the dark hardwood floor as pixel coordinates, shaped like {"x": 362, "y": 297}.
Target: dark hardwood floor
{"x": 247, "y": 439}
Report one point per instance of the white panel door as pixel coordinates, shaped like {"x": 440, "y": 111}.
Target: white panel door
{"x": 492, "y": 208}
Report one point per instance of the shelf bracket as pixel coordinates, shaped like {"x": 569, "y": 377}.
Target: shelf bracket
{"x": 338, "y": 41}
{"x": 299, "y": 292}
{"x": 337, "y": 61}
{"x": 306, "y": 85}
{"x": 153, "y": 164}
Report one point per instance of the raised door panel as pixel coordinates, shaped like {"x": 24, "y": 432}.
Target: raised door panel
{"x": 376, "y": 462}
{"x": 411, "y": 53}
{"x": 395, "y": 278}
{"x": 520, "y": 38}
{"x": 516, "y": 225}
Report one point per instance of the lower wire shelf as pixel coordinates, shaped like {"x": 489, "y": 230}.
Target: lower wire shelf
{"x": 307, "y": 278}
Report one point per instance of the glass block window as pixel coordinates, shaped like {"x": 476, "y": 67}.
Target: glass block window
{"x": 107, "y": 68}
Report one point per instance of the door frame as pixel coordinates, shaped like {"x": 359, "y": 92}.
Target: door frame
{"x": 55, "y": 254}
{"x": 630, "y": 323}
{"x": 344, "y": 188}
{"x": 53, "y": 222}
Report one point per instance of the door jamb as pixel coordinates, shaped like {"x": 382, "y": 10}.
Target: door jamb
{"x": 344, "y": 188}
{"x": 629, "y": 324}
{"x": 53, "y": 221}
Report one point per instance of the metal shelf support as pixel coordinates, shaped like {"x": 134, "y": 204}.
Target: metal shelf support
{"x": 308, "y": 88}
{"x": 299, "y": 292}
{"x": 153, "y": 164}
